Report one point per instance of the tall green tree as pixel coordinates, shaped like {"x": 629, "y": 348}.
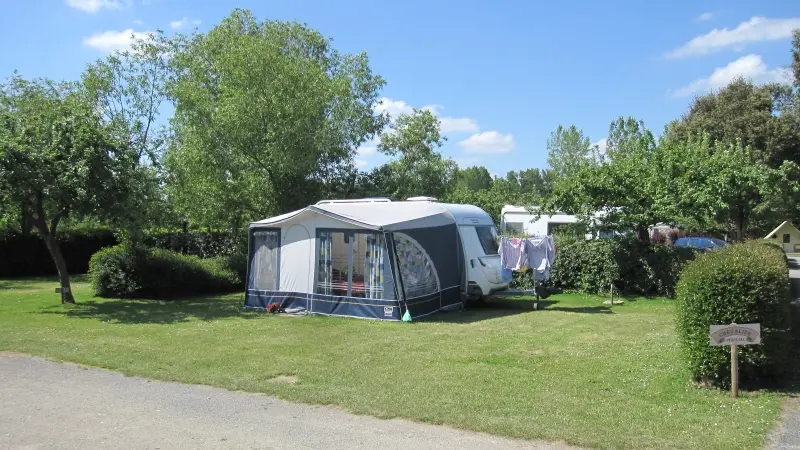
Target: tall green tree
{"x": 474, "y": 178}
{"x": 567, "y": 150}
{"x": 130, "y": 90}
{"x": 58, "y": 159}
{"x": 624, "y": 186}
{"x": 265, "y": 112}
{"x": 747, "y": 113}
{"x": 419, "y": 169}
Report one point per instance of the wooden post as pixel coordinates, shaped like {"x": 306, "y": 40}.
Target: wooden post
{"x": 734, "y": 372}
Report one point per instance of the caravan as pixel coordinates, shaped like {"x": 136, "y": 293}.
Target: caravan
{"x": 373, "y": 258}
{"x": 521, "y": 220}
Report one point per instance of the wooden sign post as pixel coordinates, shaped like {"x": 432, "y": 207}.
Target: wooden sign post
{"x": 735, "y": 335}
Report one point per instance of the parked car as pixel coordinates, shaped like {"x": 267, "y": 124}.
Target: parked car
{"x": 700, "y": 243}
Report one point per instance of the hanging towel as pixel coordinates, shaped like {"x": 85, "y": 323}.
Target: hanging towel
{"x": 512, "y": 253}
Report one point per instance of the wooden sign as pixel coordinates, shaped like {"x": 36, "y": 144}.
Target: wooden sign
{"x": 735, "y": 335}
{"x": 742, "y": 334}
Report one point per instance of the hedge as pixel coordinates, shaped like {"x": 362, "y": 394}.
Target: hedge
{"x": 28, "y": 255}
{"x": 119, "y": 272}
{"x": 742, "y": 283}
{"x": 635, "y": 268}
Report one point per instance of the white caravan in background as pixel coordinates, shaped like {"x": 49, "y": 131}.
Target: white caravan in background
{"x": 520, "y": 220}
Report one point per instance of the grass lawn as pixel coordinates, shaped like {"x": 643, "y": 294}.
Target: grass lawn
{"x": 574, "y": 372}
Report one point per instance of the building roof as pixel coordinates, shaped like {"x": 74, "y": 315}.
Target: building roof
{"x": 775, "y": 231}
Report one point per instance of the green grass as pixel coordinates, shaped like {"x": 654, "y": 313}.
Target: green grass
{"x": 574, "y": 372}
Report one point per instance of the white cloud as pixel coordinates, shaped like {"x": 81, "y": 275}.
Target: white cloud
{"x": 92, "y": 6}
{"x": 448, "y": 124}
{"x": 757, "y": 29}
{"x": 749, "y": 66}
{"x": 458, "y": 125}
{"x": 704, "y": 17}
{"x": 602, "y": 145}
{"x": 361, "y": 163}
{"x": 178, "y": 24}
{"x": 488, "y": 142}
{"x": 138, "y": 22}
{"x": 393, "y": 107}
{"x": 368, "y": 149}
{"x": 109, "y": 41}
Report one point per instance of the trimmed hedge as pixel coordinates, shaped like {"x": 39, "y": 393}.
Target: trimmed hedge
{"x": 120, "y": 272}
{"x": 27, "y": 256}
{"x": 634, "y": 267}
{"x": 742, "y": 283}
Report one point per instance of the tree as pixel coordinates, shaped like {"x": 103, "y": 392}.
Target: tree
{"x": 743, "y": 111}
{"x": 474, "y": 178}
{"x": 57, "y": 159}
{"x": 796, "y": 57}
{"x": 567, "y": 150}
{"x": 130, "y": 88}
{"x": 538, "y": 183}
{"x": 265, "y": 112}
{"x": 624, "y": 186}
{"x": 419, "y": 168}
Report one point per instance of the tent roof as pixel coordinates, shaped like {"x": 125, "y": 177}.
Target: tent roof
{"x": 376, "y": 215}
{"x": 779, "y": 227}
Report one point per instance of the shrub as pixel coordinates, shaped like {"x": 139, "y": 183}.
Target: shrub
{"x": 160, "y": 274}
{"x": 633, "y": 267}
{"x": 742, "y": 283}
{"x": 27, "y": 255}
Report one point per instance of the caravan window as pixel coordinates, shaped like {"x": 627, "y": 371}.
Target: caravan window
{"x": 416, "y": 268}
{"x": 350, "y": 264}
{"x": 489, "y": 239}
{"x": 515, "y": 227}
{"x": 264, "y": 266}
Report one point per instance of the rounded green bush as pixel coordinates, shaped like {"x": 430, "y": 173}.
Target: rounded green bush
{"x": 122, "y": 272}
{"x": 742, "y": 283}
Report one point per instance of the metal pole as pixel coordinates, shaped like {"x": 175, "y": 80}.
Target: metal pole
{"x": 734, "y": 372}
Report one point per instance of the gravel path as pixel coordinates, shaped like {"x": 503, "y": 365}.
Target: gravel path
{"x": 49, "y": 405}
{"x": 787, "y": 435}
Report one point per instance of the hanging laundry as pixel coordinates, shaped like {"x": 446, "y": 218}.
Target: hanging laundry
{"x": 512, "y": 253}
{"x": 540, "y": 255}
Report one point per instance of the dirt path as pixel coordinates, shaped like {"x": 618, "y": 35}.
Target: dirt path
{"x": 52, "y": 405}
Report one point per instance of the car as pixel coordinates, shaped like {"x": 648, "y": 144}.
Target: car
{"x": 700, "y": 243}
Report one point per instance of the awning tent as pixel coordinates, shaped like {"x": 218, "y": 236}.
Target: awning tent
{"x": 357, "y": 259}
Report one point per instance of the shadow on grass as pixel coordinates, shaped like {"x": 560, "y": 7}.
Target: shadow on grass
{"x": 154, "y": 311}
{"x": 497, "y": 308}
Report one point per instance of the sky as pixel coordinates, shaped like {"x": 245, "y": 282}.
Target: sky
{"x": 500, "y": 75}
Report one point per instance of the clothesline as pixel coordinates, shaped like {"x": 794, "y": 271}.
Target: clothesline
{"x": 521, "y": 254}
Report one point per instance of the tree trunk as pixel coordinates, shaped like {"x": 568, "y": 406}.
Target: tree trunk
{"x": 61, "y": 265}
{"x": 642, "y": 234}
{"x": 49, "y": 237}
{"x": 25, "y": 220}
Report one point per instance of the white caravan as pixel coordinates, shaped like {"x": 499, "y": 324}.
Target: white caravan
{"x": 519, "y": 220}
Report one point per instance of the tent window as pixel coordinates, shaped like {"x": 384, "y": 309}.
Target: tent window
{"x": 787, "y": 239}
{"x": 264, "y": 267}
{"x": 350, "y": 264}
{"x": 416, "y": 268}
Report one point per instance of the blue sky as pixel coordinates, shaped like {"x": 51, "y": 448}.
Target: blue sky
{"x": 501, "y": 75}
